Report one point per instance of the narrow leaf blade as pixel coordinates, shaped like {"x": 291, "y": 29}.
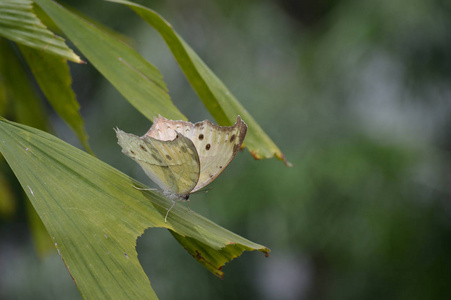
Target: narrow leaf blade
{"x": 135, "y": 78}
{"x": 52, "y": 74}
{"x": 19, "y": 23}
{"x": 22, "y": 99}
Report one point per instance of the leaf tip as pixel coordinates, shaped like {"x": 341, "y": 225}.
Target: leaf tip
{"x": 278, "y": 155}
{"x": 285, "y": 161}
{"x": 266, "y": 252}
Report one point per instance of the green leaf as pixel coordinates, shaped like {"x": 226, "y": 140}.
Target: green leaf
{"x": 19, "y": 23}
{"x": 24, "y": 104}
{"x": 213, "y": 260}
{"x": 135, "y": 78}
{"x": 52, "y": 74}
{"x": 94, "y": 215}
{"x": 219, "y": 101}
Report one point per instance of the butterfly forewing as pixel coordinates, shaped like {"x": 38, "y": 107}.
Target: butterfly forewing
{"x": 215, "y": 145}
{"x": 173, "y": 164}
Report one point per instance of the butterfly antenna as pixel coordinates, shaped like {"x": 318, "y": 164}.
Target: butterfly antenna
{"x": 173, "y": 204}
{"x": 203, "y": 190}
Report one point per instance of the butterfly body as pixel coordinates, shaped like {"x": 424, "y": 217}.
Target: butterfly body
{"x": 182, "y": 157}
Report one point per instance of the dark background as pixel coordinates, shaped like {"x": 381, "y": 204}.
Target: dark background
{"x": 357, "y": 96}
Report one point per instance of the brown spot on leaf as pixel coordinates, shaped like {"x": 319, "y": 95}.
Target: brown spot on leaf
{"x": 220, "y": 167}
{"x": 208, "y": 147}
{"x": 255, "y": 155}
{"x": 132, "y": 152}
{"x": 201, "y": 136}
{"x": 144, "y": 148}
{"x": 232, "y": 138}
{"x": 198, "y": 255}
{"x": 168, "y": 157}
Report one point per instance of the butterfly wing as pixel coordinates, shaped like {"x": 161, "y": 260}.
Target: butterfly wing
{"x": 173, "y": 165}
{"x": 216, "y": 145}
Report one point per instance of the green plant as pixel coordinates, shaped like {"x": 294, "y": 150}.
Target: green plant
{"x": 90, "y": 210}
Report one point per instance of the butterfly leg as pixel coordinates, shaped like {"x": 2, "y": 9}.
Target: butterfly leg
{"x": 143, "y": 189}
{"x": 173, "y": 204}
{"x": 188, "y": 204}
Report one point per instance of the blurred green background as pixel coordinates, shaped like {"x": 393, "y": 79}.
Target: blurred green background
{"x": 357, "y": 96}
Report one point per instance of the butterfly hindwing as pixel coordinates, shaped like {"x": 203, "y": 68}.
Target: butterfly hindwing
{"x": 173, "y": 164}
{"x": 215, "y": 145}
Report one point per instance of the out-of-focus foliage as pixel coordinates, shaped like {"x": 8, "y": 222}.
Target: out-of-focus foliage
{"x": 46, "y": 55}
{"x": 356, "y": 93}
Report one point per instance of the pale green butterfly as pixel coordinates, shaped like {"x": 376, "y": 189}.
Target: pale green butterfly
{"x": 182, "y": 157}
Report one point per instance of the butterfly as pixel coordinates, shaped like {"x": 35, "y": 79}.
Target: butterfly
{"x": 182, "y": 157}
